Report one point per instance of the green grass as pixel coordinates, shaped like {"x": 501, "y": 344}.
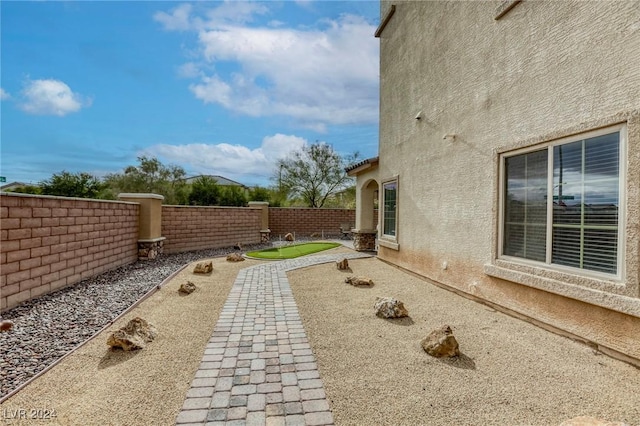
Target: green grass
{"x": 292, "y": 251}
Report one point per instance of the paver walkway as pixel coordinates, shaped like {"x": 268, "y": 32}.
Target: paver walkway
{"x": 258, "y": 367}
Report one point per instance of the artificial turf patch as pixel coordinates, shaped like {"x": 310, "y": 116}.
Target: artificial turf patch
{"x": 292, "y": 251}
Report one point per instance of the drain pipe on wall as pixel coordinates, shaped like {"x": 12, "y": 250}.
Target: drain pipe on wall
{"x": 120, "y": 315}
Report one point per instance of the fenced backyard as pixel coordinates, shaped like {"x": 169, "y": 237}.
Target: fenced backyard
{"x": 48, "y": 243}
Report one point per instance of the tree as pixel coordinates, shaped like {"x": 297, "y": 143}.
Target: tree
{"x": 258, "y": 193}
{"x": 80, "y": 185}
{"x": 233, "y": 195}
{"x": 345, "y": 199}
{"x": 151, "y": 176}
{"x": 205, "y": 191}
{"x": 271, "y": 195}
{"x": 314, "y": 173}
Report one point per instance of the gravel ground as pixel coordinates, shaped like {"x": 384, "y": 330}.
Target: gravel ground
{"x": 50, "y": 326}
{"x": 98, "y": 386}
{"x": 510, "y": 372}
{"x": 374, "y": 370}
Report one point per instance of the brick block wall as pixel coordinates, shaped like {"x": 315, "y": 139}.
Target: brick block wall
{"x": 306, "y": 221}
{"x": 47, "y": 243}
{"x": 193, "y": 228}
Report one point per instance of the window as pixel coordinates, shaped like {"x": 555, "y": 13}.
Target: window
{"x": 561, "y": 203}
{"x": 389, "y": 200}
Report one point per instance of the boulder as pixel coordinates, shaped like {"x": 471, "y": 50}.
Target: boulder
{"x": 288, "y": 237}
{"x": 6, "y": 325}
{"x": 388, "y": 307}
{"x": 359, "y": 281}
{"x": 589, "y": 421}
{"x": 203, "y": 268}
{"x": 238, "y": 247}
{"x": 187, "y": 288}
{"x": 235, "y": 257}
{"x": 135, "y": 335}
{"x": 342, "y": 265}
{"x": 441, "y": 343}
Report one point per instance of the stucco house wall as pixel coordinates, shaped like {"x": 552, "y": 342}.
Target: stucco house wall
{"x": 458, "y": 89}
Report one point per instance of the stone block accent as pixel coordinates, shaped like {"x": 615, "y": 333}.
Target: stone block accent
{"x": 149, "y": 250}
{"x": 364, "y": 241}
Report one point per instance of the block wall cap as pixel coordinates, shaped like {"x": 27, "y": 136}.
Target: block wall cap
{"x": 365, "y": 231}
{"x": 143, "y": 195}
{"x": 57, "y": 197}
{"x": 152, "y": 240}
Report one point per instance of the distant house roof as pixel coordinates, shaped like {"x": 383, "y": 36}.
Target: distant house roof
{"x": 356, "y": 168}
{"x": 220, "y": 180}
{"x": 12, "y": 185}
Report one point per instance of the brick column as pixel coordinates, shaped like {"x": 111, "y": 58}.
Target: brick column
{"x": 265, "y": 232}
{"x": 150, "y": 239}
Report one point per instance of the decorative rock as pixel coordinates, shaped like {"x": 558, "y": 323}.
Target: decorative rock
{"x": 342, "y": 265}
{"x": 112, "y": 291}
{"x": 203, "y": 268}
{"x": 187, "y": 288}
{"x": 6, "y": 325}
{"x": 238, "y": 247}
{"x": 589, "y": 421}
{"x": 359, "y": 281}
{"x": 315, "y": 235}
{"x": 388, "y": 307}
{"x": 288, "y": 237}
{"x": 441, "y": 343}
{"x": 135, "y": 335}
{"x": 235, "y": 257}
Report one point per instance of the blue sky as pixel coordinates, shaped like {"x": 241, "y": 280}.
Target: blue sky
{"x": 223, "y": 88}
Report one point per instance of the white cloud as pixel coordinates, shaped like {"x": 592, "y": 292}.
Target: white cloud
{"x": 275, "y": 23}
{"x": 4, "y": 95}
{"x": 183, "y": 18}
{"x": 318, "y": 77}
{"x": 189, "y": 70}
{"x": 304, "y": 3}
{"x": 177, "y": 20}
{"x": 51, "y": 97}
{"x": 230, "y": 160}
{"x": 212, "y": 90}
{"x": 233, "y": 11}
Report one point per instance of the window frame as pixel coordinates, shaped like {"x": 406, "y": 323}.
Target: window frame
{"x": 621, "y": 129}
{"x": 383, "y": 236}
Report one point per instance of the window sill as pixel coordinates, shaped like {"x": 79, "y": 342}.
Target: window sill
{"x": 389, "y": 244}
{"x": 606, "y": 294}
